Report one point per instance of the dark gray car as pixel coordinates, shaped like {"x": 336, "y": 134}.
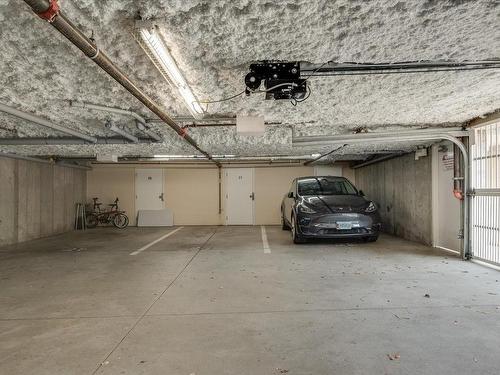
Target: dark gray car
{"x": 328, "y": 207}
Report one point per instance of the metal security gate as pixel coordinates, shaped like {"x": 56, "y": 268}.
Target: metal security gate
{"x": 485, "y": 220}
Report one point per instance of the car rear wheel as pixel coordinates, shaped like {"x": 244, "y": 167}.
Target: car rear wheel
{"x": 296, "y": 237}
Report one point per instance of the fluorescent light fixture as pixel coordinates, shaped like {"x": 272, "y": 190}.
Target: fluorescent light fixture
{"x": 153, "y": 44}
{"x": 315, "y": 155}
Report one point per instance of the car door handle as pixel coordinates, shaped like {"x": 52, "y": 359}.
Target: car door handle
{"x": 252, "y": 196}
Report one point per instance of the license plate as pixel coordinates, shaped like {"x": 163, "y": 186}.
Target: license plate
{"x": 344, "y": 225}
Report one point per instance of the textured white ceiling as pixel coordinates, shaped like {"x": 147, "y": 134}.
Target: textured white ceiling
{"x": 213, "y": 43}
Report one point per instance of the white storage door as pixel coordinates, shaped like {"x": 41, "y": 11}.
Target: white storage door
{"x": 149, "y": 189}
{"x": 239, "y": 196}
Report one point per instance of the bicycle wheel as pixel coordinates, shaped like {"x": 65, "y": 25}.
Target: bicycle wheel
{"x": 91, "y": 220}
{"x": 120, "y": 221}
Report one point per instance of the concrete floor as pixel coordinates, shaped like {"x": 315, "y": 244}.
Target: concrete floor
{"x": 209, "y": 301}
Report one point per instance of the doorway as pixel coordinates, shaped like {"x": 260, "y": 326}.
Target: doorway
{"x": 485, "y": 213}
{"x": 446, "y": 207}
{"x": 240, "y": 196}
{"x": 149, "y": 189}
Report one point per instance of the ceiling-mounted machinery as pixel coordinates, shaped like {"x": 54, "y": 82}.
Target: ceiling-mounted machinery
{"x": 281, "y": 80}
{"x": 288, "y": 79}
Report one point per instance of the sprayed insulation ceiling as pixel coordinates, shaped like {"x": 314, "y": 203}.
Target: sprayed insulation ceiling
{"x": 213, "y": 43}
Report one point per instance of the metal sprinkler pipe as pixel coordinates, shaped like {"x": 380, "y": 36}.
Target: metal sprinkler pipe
{"x": 49, "y": 11}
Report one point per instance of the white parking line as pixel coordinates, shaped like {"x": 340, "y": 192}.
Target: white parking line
{"x": 155, "y": 241}
{"x": 265, "y": 243}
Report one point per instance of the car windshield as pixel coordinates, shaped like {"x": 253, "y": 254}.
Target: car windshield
{"x": 325, "y": 186}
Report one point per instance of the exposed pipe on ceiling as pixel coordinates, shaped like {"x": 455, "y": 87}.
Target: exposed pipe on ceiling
{"x": 205, "y": 120}
{"x": 324, "y": 155}
{"x": 209, "y": 121}
{"x": 65, "y": 141}
{"x": 115, "y": 129}
{"x": 268, "y": 158}
{"x": 192, "y": 122}
{"x": 205, "y": 164}
{"x": 49, "y": 11}
{"x": 209, "y": 125}
{"x": 331, "y": 68}
{"x": 41, "y": 121}
{"x": 103, "y": 108}
{"x": 140, "y": 121}
{"x": 458, "y": 190}
{"x": 44, "y": 161}
{"x": 377, "y": 160}
{"x": 374, "y": 137}
{"x": 147, "y": 130}
{"x": 27, "y": 158}
{"x": 239, "y": 159}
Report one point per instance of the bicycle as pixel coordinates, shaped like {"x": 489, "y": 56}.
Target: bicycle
{"x": 112, "y": 216}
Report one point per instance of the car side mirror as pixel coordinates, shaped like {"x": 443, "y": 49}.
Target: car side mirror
{"x": 361, "y": 193}
{"x": 290, "y": 194}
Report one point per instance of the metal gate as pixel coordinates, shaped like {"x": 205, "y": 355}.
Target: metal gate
{"x": 485, "y": 220}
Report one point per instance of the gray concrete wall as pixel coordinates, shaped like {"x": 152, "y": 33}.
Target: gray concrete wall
{"x": 37, "y": 200}
{"x": 403, "y": 189}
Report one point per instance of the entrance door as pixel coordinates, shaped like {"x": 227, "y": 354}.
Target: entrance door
{"x": 446, "y": 208}
{"x": 149, "y": 189}
{"x": 485, "y": 213}
{"x": 239, "y": 196}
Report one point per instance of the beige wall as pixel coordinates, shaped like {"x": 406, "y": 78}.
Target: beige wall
{"x": 270, "y": 186}
{"x": 108, "y": 183}
{"x": 192, "y": 192}
{"x": 193, "y": 195}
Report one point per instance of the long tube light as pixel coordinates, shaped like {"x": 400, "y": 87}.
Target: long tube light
{"x": 154, "y": 46}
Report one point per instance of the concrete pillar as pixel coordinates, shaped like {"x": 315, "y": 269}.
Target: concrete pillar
{"x": 8, "y": 201}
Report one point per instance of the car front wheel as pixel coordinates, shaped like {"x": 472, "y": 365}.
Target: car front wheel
{"x": 296, "y": 237}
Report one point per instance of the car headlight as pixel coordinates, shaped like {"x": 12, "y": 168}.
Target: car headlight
{"x": 306, "y": 209}
{"x": 371, "y": 207}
